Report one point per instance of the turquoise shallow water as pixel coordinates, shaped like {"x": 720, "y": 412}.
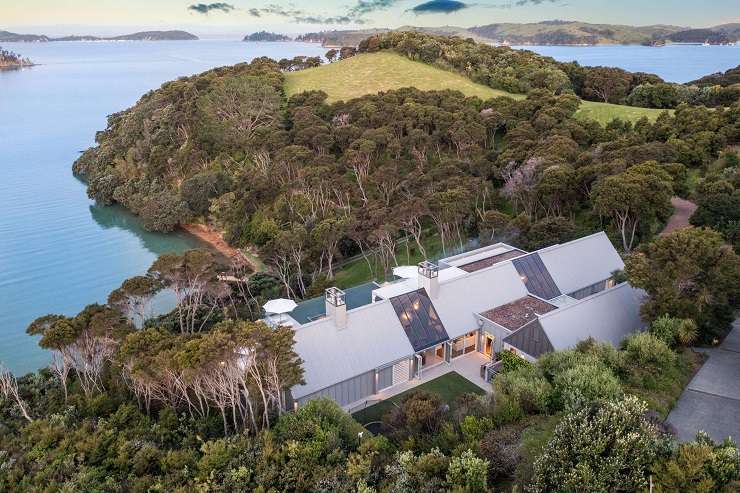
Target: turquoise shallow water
{"x": 58, "y": 250}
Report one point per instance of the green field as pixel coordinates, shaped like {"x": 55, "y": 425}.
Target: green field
{"x": 370, "y": 73}
{"x": 449, "y": 387}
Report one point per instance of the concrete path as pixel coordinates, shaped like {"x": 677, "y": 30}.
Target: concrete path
{"x": 682, "y": 211}
{"x": 711, "y": 401}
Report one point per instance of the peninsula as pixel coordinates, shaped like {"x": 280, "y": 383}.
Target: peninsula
{"x": 266, "y": 36}
{"x": 9, "y": 37}
{"x": 11, "y": 60}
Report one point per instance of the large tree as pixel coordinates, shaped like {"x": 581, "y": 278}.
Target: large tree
{"x": 689, "y": 273}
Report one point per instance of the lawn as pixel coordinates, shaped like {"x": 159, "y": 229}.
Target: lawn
{"x": 370, "y": 73}
{"x": 449, "y": 387}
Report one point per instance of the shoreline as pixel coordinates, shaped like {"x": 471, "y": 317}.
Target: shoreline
{"x": 215, "y": 240}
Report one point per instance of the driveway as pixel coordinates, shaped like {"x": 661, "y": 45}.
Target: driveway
{"x": 682, "y": 211}
{"x": 711, "y": 401}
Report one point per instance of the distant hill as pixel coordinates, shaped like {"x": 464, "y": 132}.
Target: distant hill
{"x": 559, "y": 32}
{"x": 723, "y": 79}
{"x": 266, "y": 36}
{"x": 555, "y": 32}
{"x": 701, "y": 36}
{"x": 9, "y": 37}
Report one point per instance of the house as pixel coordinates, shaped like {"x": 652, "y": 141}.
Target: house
{"x": 357, "y": 345}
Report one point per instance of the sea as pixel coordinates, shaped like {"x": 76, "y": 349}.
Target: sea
{"x": 59, "y": 251}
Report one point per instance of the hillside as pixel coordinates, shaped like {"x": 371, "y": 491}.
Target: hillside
{"x": 371, "y": 73}
{"x": 571, "y": 33}
{"x": 265, "y": 36}
{"x": 9, "y": 37}
{"x": 555, "y": 32}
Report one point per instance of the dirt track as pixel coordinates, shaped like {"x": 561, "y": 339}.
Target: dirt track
{"x": 680, "y": 218}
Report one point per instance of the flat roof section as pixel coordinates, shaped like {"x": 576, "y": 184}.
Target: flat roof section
{"x": 419, "y": 319}
{"x": 315, "y": 308}
{"x": 518, "y": 313}
{"x": 493, "y": 260}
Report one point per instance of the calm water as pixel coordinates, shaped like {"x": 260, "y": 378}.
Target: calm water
{"x": 674, "y": 63}
{"x": 58, "y": 250}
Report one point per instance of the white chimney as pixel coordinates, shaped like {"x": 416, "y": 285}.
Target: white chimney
{"x": 429, "y": 278}
{"x": 336, "y": 307}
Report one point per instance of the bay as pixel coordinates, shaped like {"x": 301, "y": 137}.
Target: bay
{"x": 58, "y": 250}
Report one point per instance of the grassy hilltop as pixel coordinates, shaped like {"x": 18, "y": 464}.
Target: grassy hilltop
{"x": 370, "y": 73}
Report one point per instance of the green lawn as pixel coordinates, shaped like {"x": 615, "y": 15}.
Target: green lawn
{"x": 358, "y": 272}
{"x": 449, "y": 387}
{"x": 370, "y": 73}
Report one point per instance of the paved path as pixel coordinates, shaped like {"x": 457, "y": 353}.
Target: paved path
{"x": 711, "y": 401}
{"x": 682, "y": 211}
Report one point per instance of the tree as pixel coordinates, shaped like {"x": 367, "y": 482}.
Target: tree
{"x": 9, "y": 390}
{"x": 604, "y": 447}
{"x": 636, "y": 197}
{"x": 689, "y": 273}
{"x": 719, "y": 208}
{"x": 331, "y": 55}
{"x": 549, "y": 231}
{"x": 607, "y": 84}
{"x": 674, "y": 331}
{"x": 194, "y": 278}
{"x": 240, "y": 106}
{"x": 134, "y": 297}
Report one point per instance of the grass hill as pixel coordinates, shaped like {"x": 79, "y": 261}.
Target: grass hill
{"x": 370, "y": 73}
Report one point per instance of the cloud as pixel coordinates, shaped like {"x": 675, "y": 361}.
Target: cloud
{"x": 206, "y": 8}
{"x": 439, "y": 7}
{"x": 303, "y": 17}
{"x": 363, "y": 7}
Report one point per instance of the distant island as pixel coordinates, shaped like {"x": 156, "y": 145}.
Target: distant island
{"x": 9, "y": 37}
{"x": 10, "y": 60}
{"x": 552, "y": 32}
{"x": 267, "y": 36}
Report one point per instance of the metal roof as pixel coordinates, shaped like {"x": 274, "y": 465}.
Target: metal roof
{"x": 419, "y": 319}
{"x": 460, "y": 299}
{"x": 582, "y": 262}
{"x": 374, "y": 337}
{"x": 536, "y": 277}
{"x": 607, "y": 316}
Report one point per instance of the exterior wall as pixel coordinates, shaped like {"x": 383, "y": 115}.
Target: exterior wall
{"x": 385, "y": 377}
{"x": 509, "y": 347}
{"x": 496, "y": 331}
{"x": 592, "y": 289}
{"x": 346, "y": 392}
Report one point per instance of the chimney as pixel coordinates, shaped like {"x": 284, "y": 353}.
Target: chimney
{"x": 336, "y": 307}
{"x": 429, "y": 278}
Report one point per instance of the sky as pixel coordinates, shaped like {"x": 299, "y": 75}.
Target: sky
{"x": 237, "y": 17}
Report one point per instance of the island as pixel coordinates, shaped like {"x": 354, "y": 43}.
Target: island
{"x": 266, "y": 36}
{"x": 11, "y": 60}
{"x": 9, "y": 37}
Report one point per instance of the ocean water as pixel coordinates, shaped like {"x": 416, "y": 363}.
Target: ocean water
{"x": 674, "y": 63}
{"x": 58, "y": 250}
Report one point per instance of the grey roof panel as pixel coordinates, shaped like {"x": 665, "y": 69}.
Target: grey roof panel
{"x": 419, "y": 319}
{"x": 580, "y": 263}
{"x": 536, "y": 276}
{"x": 531, "y": 339}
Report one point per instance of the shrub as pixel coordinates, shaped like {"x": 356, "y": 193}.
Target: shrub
{"x": 526, "y": 387}
{"x": 647, "y": 349}
{"x": 584, "y": 385}
{"x": 608, "y": 447}
{"x": 501, "y": 449}
{"x": 510, "y": 361}
{"x": 468, "y": 472}
{"x": 674, "y": 331}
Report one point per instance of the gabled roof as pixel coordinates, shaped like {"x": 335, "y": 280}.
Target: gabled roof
{"x": 536, "y": 277}
{"x": 460, "y": 299}
{"x": 580, "y": 263}
{"x": 608, "y": 316}
{"x": 419, "y": 319}
{"x": 374, "y": 337}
